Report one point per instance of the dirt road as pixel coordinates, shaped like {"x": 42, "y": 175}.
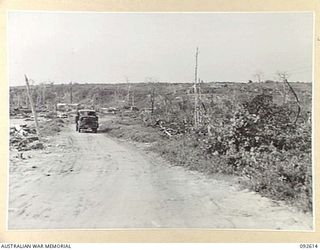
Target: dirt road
{"x": 90, "y": 181}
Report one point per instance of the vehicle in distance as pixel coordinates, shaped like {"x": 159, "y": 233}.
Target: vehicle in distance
{"x": 62, "y": 115}
{"x": 87, "y": 119}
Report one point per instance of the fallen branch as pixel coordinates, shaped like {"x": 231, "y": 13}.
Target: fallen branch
{"x": 165, "y": 130}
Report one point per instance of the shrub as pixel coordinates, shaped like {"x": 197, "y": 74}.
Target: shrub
{"x": 262, "y": 144}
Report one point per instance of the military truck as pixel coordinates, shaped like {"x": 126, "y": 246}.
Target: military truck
{"x": 87, "y": 120}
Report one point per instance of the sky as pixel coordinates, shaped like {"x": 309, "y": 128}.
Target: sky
{"x": 64, "y": 47}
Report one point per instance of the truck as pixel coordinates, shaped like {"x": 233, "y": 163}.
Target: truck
{"x": 87, "y": 120}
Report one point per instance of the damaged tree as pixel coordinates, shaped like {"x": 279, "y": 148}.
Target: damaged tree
{"x": 196, "y": 94}
{"x": 283, "y": 76}
{"x": 32, "y": 107}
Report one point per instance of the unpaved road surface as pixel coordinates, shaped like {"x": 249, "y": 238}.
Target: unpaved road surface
{"x": 90, "y": 181}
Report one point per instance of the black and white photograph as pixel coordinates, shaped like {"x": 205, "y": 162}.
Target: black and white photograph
{"x": 160, "y": 120}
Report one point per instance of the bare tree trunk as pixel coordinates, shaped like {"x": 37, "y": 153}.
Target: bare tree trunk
{"x": 297, "y": 100}
{"x": 283, "y": 76}
{"x": 128, "y": 92}
{"x": 196, "y": 108}
{"x": 32, "y": 107}
{"x": 152, "y": 100}
{"x": 132, "y": 99}
{"x": 71, "y": 96}
{"x": 44, "y": 94}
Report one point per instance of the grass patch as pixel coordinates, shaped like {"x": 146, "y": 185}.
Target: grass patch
{"x": 131, "y": 129}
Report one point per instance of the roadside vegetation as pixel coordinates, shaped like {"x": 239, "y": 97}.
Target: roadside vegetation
{"x": 254, "y": 134}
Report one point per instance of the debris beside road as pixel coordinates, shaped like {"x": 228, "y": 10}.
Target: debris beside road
{"x": 23, "y": 137}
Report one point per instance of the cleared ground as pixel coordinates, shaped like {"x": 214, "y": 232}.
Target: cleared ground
{"x": 90, "y": 181}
